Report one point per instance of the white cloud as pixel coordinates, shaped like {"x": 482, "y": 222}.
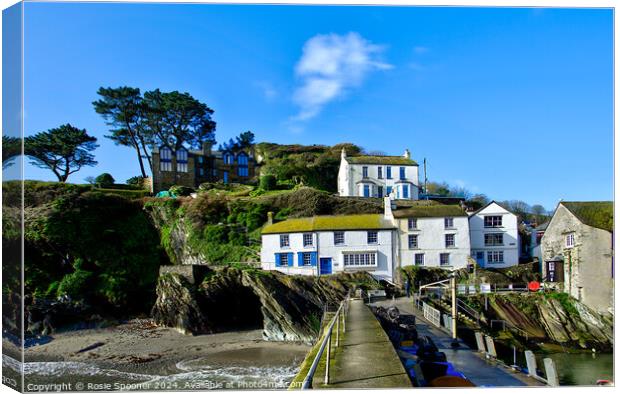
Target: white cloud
{"x": 420, "y": 50}
{"x": 331, "y": 64}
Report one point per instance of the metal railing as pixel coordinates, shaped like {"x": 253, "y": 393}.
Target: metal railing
{"x": 431, "y": 314}
{"x": 340, "y": 314}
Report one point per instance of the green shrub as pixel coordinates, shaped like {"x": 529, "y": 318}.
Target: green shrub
{"x": 216, "y": 233}
{"x": 104, "y": 180}
{"x": 130, "y": 194}
{"x": 268, "y": 182}
{"x": 76, "y": 285}
{"x": 181, "y": 190}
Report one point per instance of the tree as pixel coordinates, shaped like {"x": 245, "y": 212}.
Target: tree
{"x": 64, "y": 150}
{"x": 90, "y": 180}
{"x": 104, "y": 180}
{"x": 175, "y": 119}
{"x": 441, "y": 189}
{"x": 11, "y": 148}
{"x": 123, "y": 109}
{"x": 245, "y": 140}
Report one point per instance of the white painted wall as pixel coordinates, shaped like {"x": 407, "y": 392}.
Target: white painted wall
{"x": 431, "y": 241}
{"x": 350, "y": 176}
{"x": 355, "y": 241}
{"x": 509, "y": 230}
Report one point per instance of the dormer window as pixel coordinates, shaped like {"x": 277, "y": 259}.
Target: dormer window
{"x": 182, "y": 160}
{"x": 165, "y": 159}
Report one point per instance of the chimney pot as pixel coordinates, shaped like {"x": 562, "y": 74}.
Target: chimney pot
{"x": 407, "y": 154}
{"x": 269, "y": 217}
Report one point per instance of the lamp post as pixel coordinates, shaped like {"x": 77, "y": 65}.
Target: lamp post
{"x": 455, "y": 342}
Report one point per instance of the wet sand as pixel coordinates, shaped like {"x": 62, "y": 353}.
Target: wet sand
{"x": 142, "y": 349}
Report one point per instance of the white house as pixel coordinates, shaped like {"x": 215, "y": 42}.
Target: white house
{"x": 433, "y": 236}
{"x": 322, "y": 245}
{"x": 494, "y": 236}
{"x": 378, "y": 176}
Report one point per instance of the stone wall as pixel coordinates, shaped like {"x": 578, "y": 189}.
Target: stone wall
{"x": 587, "y": 265}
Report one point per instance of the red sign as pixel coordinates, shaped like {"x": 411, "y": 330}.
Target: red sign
{"x": 533, "y": 286}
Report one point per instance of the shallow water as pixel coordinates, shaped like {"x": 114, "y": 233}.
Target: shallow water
{"x": 581, "y": 369}
{"x": 250, "y": 368}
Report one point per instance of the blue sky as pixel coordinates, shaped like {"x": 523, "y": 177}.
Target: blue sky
{"x": 515, "y": 103}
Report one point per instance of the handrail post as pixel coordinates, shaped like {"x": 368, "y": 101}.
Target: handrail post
{"x": 338, "y": 328}
{"x": 328, "y": 356}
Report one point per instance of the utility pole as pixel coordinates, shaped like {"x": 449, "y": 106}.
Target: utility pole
{"x": 455, "y": 342}
{"x": 425, "y": 180}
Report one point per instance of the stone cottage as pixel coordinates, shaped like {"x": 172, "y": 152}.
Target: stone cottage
{"x": 577, "y": 252}
{"x": 190, "y": 168}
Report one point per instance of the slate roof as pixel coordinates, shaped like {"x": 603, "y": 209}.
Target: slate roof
{"x": 599, "y": 214}
{"x": 329, "y": 223}
{"x": 392, "y": 160}
{"x": 430, "y": 211}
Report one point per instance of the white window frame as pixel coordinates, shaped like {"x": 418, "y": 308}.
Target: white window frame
{"x": 415, "y": 259}
{"x": 441, "y": 256}
{"x": 364, "y": 171}
{"x": 380, "y": 172}
{"x": 359, "y": 259}
{"x": 338, "y": 237}
{"x": 448, "y": 222}
{"x": 451, "y": 244}
{"x": 412, "y": 223}
{"x": 569, "y": 240}
{"x": 283, "y": 260}
{"x": 285, "y": 241}
{"x": 489, "y": 236}
{"x": 308, "y": 240}
{"x": 495, "y": 221}
{"x": 372, "y": 234}
{"x": 495, "y": 256}
{"x": 412, "y": 241}
{"x": 306, "y": 259}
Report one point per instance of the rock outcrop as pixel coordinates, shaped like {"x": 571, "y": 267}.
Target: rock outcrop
{"x": 287, "y": 308}
{"x": 554, "y": 317}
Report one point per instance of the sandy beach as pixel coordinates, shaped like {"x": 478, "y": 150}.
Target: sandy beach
{"x": 139, "y": 351}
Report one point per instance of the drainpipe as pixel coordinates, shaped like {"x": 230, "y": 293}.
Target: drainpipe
{"x": 318, "y": 259}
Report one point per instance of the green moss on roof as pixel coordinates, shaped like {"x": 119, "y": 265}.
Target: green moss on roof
{"x": 599, "y": 214}
{"x": 395, "y": 160}
{"x": 329, "y": 223}
{"x": 430, "y": 211}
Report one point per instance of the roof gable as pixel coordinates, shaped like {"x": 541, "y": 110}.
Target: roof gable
{"x": 599, "y": 214}
{"x": 489, "y": 205}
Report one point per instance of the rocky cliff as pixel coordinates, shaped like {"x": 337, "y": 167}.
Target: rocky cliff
{"x": 287, "y": 308}
{"x": 551, "y": 317}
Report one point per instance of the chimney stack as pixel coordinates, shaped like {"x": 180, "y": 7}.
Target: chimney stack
{"x": 269, "y": 218}
{"x": 343, "y": 154}
{"x": 407, "y": 154}
{"x": 388, "y": 206}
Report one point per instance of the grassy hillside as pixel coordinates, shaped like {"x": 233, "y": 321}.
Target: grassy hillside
{"x": 313, "y": 165}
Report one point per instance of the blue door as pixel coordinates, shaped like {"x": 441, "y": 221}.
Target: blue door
{"x": 325, "y": 266}
{"x": 480, "y": 258}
